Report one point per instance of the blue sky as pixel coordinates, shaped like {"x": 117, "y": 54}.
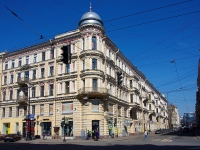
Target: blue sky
{"x": 151, "y": 33}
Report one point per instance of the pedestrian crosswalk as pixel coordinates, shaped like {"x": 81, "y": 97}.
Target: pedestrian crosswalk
{"x": 162, "y": 140}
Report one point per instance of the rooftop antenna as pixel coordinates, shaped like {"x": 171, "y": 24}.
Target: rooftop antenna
{"x": 90, "y": 7}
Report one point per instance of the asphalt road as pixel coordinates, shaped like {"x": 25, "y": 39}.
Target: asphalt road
{"x": 170, "y": 141}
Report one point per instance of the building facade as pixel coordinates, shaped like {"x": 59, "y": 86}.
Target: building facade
{"x": 197, "y": 107}
{"x": 173, "y": 115}
{"x": 86, "y": 91}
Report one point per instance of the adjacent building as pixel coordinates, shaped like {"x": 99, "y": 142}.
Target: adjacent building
{"x": 86, "y": 92}
{"x": 173, "y": 116}
{"x": 197, "y": 107}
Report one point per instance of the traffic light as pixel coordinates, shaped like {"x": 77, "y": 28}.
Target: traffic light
{"x": 119, "y": 78}
{"x": 66, "y": 54}
{"x": 62, "y": 124}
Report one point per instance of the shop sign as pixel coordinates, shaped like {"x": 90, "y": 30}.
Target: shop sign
{"x": 66, "y": 121}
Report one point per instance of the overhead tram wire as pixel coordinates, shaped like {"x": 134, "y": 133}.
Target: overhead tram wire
{"x": 145, "y": 11}
{"x": 127, "y": 15}
{"x": 166, "y": 38}
{"x": 22, "y": 8}
{"x": 30, "y": 28}
{"x": 169, "y": 46}
{"x": 157, "y": 20}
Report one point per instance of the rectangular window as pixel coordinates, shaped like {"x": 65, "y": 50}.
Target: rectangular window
{"x": 84, "y": 64}
{"x": 33, "y": 109}
{"x": 51, "y": 73}
{"x": 95, "y": 106}
{"x": 34, "y": 75}
{"x": 94, "y": 83}
{"x": 109, "y": 70}
{"x": 11, "y": 78}
{"x": 52, "y": 54}
{"x": 35, "y": 58}
{"x": 26, "y": 74}
{"x": 4, "y": 95}
{"x": 131, "y": 98}
{"x": 67, "y": 107}
{"x": 83, "y": 83}
{"x": 43, "y": 56}
{"x": 51, "y": 89}
{"x": 131, "y": 83}
{"x": 42, "y": 73}
{"x": 25, "y": 110}
{"x": 149, "y": 106}
{"x": 110, "y": 108}
{"x": 13, "y": 63}
{"x": 125, "y": 112}
{"x": 94, "y": 64}
{"x": 27, "y": 60}
{"x": 5, "y": 80}
{"x": 6, "y": 65}
{"x": 42, "y": 91}
{"x": 17, "y": 111}
{"x": 3, "y": 112}
{"x": 83, "y": 43}
{"x": 94, "y": 43}
{"x": 50, "y": 109}
{"x": 19, "y": 75}
{"x": 67, "y": 87}
{"x": 33, "y": 92}
{"x": 67, "y": 68}
{"x": 42, "y": 109}
{"x": 10, "y": 111}
{"x": 11, "y": 95}
{"x": 20, "y": 62}
{"x": 119, "y": 111}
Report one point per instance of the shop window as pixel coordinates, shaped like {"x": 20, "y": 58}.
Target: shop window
{"x": 68, "y": 129}
{"x": 46, "y": 128}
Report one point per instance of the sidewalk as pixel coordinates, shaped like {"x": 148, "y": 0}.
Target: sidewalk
{"x": 60, "y": 141}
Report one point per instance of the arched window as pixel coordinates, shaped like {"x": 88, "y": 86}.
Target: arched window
{"x": 94, "y": 43}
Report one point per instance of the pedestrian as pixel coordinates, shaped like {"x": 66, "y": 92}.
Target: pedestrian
{"x": 96, "y": 138}
{"x": 43, "y": 134}
{"x": 145, "y": 135}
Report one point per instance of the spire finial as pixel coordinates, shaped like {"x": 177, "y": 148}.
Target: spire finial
{"x": 90, "y": 7}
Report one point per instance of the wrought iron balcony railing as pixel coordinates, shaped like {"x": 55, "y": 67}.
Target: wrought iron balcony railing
{"x": 23, "y": 80}
{"x": 22, "y": 99}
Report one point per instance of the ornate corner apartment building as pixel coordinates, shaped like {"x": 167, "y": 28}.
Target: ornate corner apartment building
{"x": 85, "y": 92}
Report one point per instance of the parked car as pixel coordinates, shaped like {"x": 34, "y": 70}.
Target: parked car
{"x": 1, "y": 137}
{"x": 158, "y": 132}
{"x": 11, "y": 137}
{"x": 185, "y": 129}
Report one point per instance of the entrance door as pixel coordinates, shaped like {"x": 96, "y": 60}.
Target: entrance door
{"x": 8, "y": 128}
{"x": 95, "y": 127}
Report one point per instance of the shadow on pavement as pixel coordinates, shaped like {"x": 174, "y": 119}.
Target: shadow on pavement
{"x": 68, "y": 146}
{"x": 181, "y": 133}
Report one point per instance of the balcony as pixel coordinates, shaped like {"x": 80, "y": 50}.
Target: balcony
{"x": 22, "y": 100}
{"x": 85, "y": 53}
{"x": 89, "y": 72}
{"x": 92, "y": 92}
{"x": 23, "y": 81}
{"x": 134, "y": 105}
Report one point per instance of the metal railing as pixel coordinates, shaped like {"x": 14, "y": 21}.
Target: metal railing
{"x": 22, "y": 99}
{"x": 22, "y": 80}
